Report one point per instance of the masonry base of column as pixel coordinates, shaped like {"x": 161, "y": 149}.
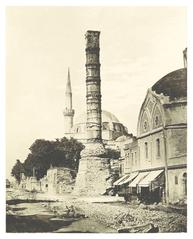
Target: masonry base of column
{"x": 94, "y": 169}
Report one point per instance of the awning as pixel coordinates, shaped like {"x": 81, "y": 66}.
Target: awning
{"x": 138, "y": 179}
{"x": 121, "y": 179}
{"x": 129, "y": 179}
{"x": 149, "y": 178}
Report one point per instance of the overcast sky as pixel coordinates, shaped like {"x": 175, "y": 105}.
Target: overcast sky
{"x": 138, "y": 47}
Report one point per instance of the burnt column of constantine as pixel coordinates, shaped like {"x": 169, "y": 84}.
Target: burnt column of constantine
{"x": 93, "y": 92}
{"x": 94, "y": 167}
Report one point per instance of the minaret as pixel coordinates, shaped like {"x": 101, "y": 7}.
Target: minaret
{"x": 94, "y": 167}
{"x": 68, "y": 111}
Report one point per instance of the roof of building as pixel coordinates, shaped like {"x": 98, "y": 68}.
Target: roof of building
{"x": 173, "y": 84}
{"x": 106, "y": 117}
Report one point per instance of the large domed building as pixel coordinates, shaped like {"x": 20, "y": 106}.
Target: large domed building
{"x": 158, "y": 156}
{"x": 112, "y": 129}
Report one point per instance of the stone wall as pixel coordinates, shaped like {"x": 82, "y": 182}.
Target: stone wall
{"x": 177, "y": 189}
{"x": 176, "y": 113}
{"x": 32, "y": 184}
{"x": 60, "y": 180}
{"x": 177, "y": 146}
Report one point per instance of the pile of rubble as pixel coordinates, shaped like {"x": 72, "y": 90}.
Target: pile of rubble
{"x": 119, "y": 216}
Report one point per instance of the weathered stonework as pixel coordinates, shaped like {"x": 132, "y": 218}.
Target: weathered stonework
{"x": 92, "y": 176}
{"x": 93, "y": 94}
{"x": 60, "y": 180}
{"x": 94, "y": 168}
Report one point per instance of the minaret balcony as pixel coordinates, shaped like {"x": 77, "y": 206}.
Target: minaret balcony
{"x": 68, "y": 112}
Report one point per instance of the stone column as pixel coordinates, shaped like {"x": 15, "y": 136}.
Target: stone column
{"x": 93, "y": 91}
{"x": 94, "y": 166}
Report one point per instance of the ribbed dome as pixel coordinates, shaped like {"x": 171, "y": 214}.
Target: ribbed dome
{"x": 173, "y": 84}
{"x": 106, "y": 117}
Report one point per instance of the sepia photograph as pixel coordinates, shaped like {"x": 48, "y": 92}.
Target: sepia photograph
{"x": 96, "y": 119}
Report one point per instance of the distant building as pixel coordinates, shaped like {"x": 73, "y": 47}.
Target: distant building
{"x": 29, "y": 183}
{"x": 124, "y": 166}
{"x": 131, "y": 161}
{"x": 22, "y": 184}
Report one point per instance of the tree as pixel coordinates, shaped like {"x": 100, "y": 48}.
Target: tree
{"x": 58, "y": 153}
{"x": 39, "y": 158}
{"x": 112, "y": 153}
{"x": 17, "y": 170}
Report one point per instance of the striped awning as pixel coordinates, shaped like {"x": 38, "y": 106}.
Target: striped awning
{"x": 149, "y": 178}
{"x": 139, "y": 177}
{"x": 129, "y": 179}
{"x": 121, "y": 179}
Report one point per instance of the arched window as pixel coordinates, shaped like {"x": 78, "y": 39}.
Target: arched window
{"x": 158, "y": 147}
{"x": 176, "y": 180}
{"x": 157, "y": 117}
{"x": 144, "y": 123}
{"x": 146, "y": 150}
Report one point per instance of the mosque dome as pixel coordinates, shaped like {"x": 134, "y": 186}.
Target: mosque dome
{"x": 171, "y": 108}
{"x": 111, "y": 126}
{"x": 173, "y": 84}
{"x": 106, "y": 117}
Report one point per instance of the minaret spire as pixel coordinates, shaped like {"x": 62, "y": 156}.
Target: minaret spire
{"x": 68, "y": 85}
{"x": 68, "y": 111}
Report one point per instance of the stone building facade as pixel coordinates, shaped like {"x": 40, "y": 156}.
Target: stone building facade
{"x": 158, "y": 156}
{"x": 162, "y": 132}
{"x": 131, "y": 162}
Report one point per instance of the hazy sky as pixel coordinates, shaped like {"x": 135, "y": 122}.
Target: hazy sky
{"x": 138, "y": 45}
